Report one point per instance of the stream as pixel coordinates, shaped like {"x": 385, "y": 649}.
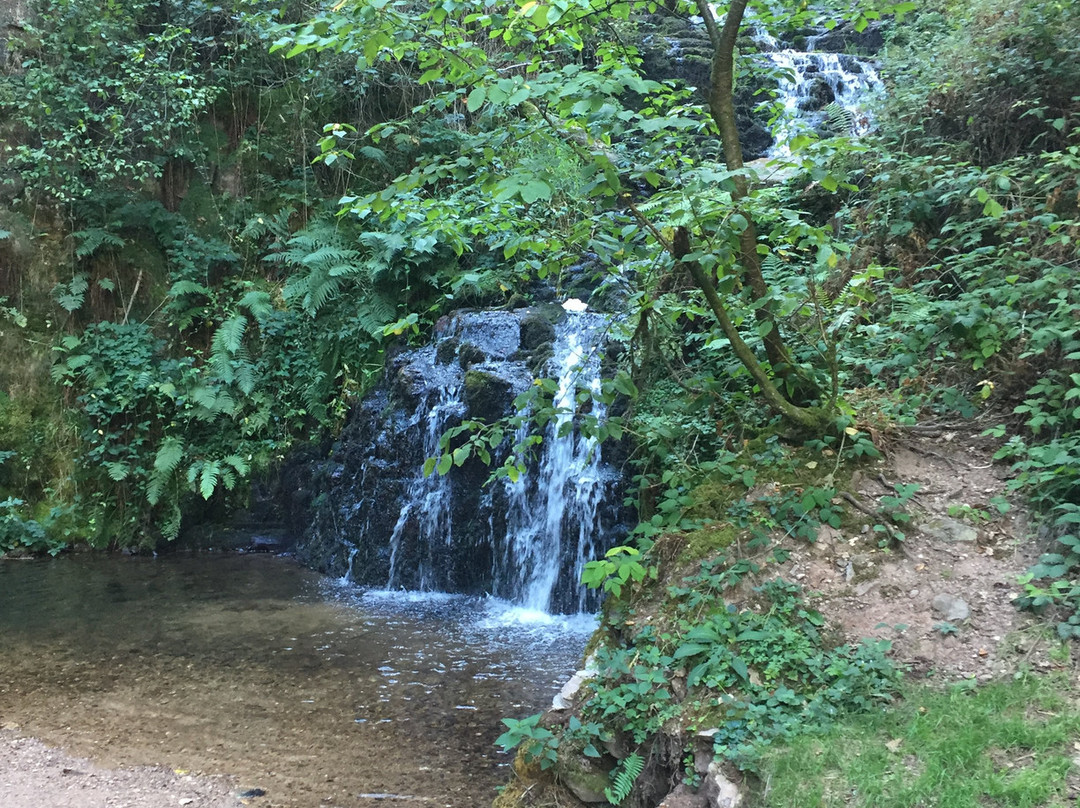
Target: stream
{"x": 249, "y": 665}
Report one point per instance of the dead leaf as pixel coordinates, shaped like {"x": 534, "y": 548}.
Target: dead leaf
{"x": 894, "y": 744}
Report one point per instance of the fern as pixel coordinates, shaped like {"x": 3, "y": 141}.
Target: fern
{"x": 168, "y": 457}
{"x": 92, "y": 239}
{"x": 320, "y": 259}
{"x": 71, "y": 295}
{"x": 624, "y": 777}
{"x": 840, "y": 119}
{"x": 170, "y": 528}
{"x": 118, "y": 471}
{"x": 230, "y": 335}
{"x": 264, "y": 224}
{"x": 258, "y": 303}
{"x": 207, "y": 473}
{"x": 181, "y": 288}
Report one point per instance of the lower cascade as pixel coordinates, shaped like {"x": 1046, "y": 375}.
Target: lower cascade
{"x": 380, "y": 522}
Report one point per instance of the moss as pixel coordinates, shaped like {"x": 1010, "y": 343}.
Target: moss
{"x": 707, "y": 541}
{"x": 486, "y": 395}
{"x": 536, "y": 330}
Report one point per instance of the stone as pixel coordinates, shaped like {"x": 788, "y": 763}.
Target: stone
{"x": 585, "y": 777}
{"x": 564, "y": 699}
{"x": 950, "y": 607}
{"x": 469, "y": 355}
{"x": 684, "y": 797}
{"x": 446, "y": 351}
{"x": 486, "y": 395}
{"x": 951, "y": 531}
{"x": 536, "y": 329}
{"x": 718, "y": 790}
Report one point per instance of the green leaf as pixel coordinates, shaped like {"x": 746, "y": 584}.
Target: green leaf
{"x": 476, "y": 98}
{"x": 445, "y": 464}
{"x": 535, "y": 190}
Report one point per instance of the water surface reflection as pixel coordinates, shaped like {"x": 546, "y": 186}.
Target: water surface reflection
{"x": 253, "y": 666}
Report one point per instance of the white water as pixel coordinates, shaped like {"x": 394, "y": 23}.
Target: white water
{"x": 561, "y": 505}
{"x": 853, "y": 83}
{"x": 429, "y": 501}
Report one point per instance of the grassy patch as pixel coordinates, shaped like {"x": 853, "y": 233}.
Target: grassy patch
{"x": 1003, "y": 744}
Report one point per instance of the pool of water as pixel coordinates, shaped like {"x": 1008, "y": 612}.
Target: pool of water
{"x": 252, "y": 666}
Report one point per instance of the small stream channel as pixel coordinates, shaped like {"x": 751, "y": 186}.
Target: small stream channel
{"x": 253, "y": 666}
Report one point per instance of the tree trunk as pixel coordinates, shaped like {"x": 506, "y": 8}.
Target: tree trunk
{"x": 722, "y": 109}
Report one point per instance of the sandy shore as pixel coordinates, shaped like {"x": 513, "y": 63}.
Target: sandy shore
{"x": 32, "y": 775}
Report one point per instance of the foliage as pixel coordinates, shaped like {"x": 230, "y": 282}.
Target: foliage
{"x": 78, "y": 99}
{"x": 619, "y": 568}
{"x": 752, "y": 674}
{"x": 537, "y": 743}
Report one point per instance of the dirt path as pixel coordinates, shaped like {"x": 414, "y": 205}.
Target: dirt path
{"x": 34, "y": 776}
{"x": 958, "y": 553}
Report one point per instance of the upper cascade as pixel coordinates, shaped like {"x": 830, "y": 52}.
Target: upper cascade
{"x": 820, "y": 85}
{"x": 824, "y": 80}
{"x": 380, "y": 522}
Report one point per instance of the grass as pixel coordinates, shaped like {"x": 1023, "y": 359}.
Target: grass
{"x": 1009, "y": 744}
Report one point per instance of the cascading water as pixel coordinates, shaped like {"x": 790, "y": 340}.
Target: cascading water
{"x": 428, "y": 502}
{"x": 570, "y": 484}
{"x": 811, "y": 83}
{"x": 381, "y": 523}
{"x": 815, "y": 82}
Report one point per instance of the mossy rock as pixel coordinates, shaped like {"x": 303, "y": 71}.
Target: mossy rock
{"x": 540, "y": 357}
{"x": 447, "y": 350}
{"x": 469, "y": 355}
{"x": 486, "y": 395}
{"x": 536, "y": 329}
{"x": 584, "y": 777}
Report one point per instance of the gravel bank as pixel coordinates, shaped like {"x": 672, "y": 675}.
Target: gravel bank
{"x": 32, "y": 775}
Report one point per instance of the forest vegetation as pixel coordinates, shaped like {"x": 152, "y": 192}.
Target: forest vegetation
{"x": 219, "y": 218}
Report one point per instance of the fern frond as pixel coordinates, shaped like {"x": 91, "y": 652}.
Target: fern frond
{"x": 230, "y": 335}
{"x": 208, "y": 478}
{"x": 258, "y": 303}
{"x": 92, "y": 239}
{"x": 841, "y": 119}
{"x": 624, "y": 777}
{"x": 170, "y": 528}
{"x": 118, "y": 471}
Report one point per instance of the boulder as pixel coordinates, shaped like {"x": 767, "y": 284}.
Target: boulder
{"x": 486, "y": 395}
{"x": 951, "y": 531}
{"x": 536, "y": 330}
{"x": 719, "y": 791}
{"x": 585, "y": 777}
{"x": 684, "y": 797}
{"x": 564, "y": 699}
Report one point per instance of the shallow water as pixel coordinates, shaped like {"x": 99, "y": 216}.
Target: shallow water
{"x": 255, "y": 667}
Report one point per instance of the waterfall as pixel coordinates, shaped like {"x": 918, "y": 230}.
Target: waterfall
{"x": 570, "y": 482}
{"x": 428, "y": 502}
{"x": 819, "y": 86}
{"x": 812, "y": 83}
{"x": 381, "y": 523}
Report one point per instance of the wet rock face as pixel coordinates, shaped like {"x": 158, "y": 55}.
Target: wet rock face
{"x": 677, "y": 49}
{"x": 845, "y": 39}
{"x": 378, "y": 519}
